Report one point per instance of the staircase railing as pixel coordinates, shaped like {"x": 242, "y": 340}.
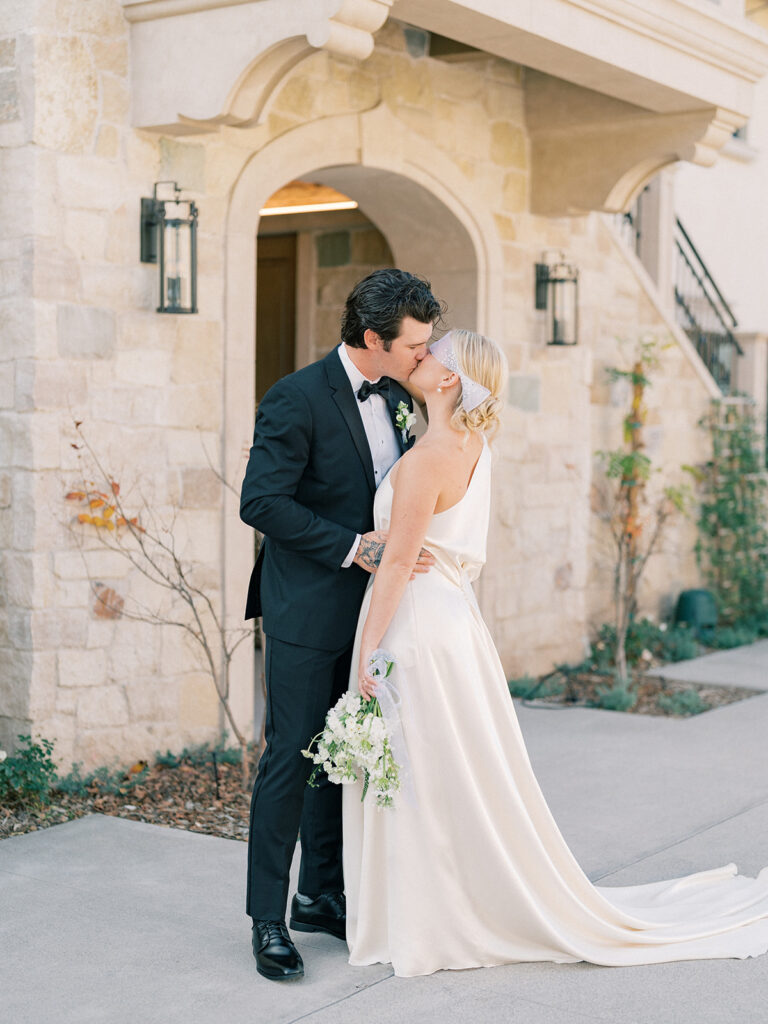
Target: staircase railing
{"x": 703, "y": 313}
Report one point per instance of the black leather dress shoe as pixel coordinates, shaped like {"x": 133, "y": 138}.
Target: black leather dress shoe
{"x": 326, "y": 913}
{"x": 276, "y": 956}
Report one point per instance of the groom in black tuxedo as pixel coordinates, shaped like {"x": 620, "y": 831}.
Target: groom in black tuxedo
{"x": 324, "y": 438}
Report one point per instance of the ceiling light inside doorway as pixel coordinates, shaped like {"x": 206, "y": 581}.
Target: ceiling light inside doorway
{"x": 306, "y": 197}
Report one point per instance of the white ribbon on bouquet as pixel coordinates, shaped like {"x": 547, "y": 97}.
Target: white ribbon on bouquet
{"x": 388, "y": 696}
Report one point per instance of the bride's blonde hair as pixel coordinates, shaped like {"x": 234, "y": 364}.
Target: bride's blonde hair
{"x": 483, "y": 361}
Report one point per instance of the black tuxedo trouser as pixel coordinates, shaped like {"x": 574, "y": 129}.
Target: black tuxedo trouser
{"x": 302, "y": 684}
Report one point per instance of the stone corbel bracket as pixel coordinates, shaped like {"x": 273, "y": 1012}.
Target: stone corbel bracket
{"x": 592, "y": 152}
{"x": 185, "y": 52}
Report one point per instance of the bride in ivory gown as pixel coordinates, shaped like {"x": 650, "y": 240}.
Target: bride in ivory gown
{"x": 472, "y": 871}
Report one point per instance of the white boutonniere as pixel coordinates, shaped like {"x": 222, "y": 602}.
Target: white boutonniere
{"x": 404, "y": 420}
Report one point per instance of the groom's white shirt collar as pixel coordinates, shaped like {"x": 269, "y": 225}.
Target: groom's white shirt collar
{"x": 356, "y": 377}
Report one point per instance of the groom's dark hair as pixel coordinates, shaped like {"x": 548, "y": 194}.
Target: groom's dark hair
{"x": 380, "y": 301}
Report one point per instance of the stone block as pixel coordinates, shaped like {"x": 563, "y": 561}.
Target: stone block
{"x": 143, "y": 367}
{"x": 102, "y": 706}
{"x": 196, "y": 352}
{"x": 15, "y": 675}
{"x": 191, "y": 406}
{"x": 99, "y": 563}
{"x": 506, "y": 227}
{"x": 115, "y": 99}
{"x": 184, "y": 163}
{"x": 7, "y": 53}
{"x": 200, "y": 488}
{"x": 57, "y": 628}
{"x": 59, "y": 385}
{"x": 10, "y": 108}
{"x": 508, "y": 145}
{"x": 7, "y": 386}
{"x": 83, "y": 668}
{"x": 99, "y": 17}
{"x": 85, "y": 332}
{"x": 83, "y": 183}
{"x": 55, "y": 273}
{"x": 66, "y": 94}
{"x": 524, "y": 392}
{"x": 296, "y": 98}
{"x": 364, "y": 91}
{"x": 5, "y": 489}
{"x": 85, "y": 234}
{"x": 408, "y": 84}
{"x": 198, "y": 703}
{"x": 110, "y": 54}
{"x": 515, "y": 192}
{"x": 152, "y": 699}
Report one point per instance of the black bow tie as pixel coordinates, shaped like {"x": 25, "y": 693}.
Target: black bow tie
{"x": 381, "y": 387}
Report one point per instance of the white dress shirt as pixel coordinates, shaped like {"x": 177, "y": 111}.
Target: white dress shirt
{"x": 379, "y": 430}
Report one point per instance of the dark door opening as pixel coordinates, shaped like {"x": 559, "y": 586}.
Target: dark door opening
{"x": 275, "y": 310}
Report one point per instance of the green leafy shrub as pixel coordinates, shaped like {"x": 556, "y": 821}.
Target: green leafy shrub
{"x": 725, "y": 637}
{"x": 732, "y": 548}
{"x": 684, "y": 702}
{"x": 618, "y": 697}
{"x": 523, "y": 686}
{"x": 676, "y": 643}
{"x": 28, "y": 775}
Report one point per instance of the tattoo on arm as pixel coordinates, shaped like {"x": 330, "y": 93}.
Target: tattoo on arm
{"x": 369, "y": 553}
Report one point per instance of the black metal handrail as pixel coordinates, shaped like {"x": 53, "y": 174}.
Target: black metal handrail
{"x": 703, "y": 312}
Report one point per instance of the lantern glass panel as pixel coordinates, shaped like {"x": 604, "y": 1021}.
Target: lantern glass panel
{"x": 176, "y": 263}
{"x": 563, "y": 295}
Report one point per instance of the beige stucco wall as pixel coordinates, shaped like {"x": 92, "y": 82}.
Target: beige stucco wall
{"x": 155, "y": 393}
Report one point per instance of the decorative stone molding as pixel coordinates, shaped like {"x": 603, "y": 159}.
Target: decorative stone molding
{"x": 592, "y": 152}
{"x": 186, "y": 54}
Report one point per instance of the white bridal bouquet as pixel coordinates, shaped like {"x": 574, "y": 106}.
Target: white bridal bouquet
{"x": 357, "y": 738}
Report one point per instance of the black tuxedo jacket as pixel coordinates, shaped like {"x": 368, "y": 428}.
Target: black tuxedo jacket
{"x": 309, "y": 488}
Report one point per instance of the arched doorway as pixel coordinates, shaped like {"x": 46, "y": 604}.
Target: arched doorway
{"x": 420, "y": 212}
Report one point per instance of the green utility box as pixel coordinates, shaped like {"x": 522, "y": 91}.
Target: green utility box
{"x": 697, "y": 609}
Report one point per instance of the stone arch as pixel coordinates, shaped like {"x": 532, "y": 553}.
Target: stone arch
{"x": 399, "y": 182}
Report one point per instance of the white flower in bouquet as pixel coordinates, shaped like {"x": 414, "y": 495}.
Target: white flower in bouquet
{"x": 356, "y": 741}
{"x": 3, "y": 755}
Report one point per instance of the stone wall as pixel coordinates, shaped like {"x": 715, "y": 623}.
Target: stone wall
{"x": 82, "y": 341}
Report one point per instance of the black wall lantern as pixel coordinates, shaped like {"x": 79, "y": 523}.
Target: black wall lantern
{"x": 169, "y": 238}
{"x": 557, "y": 291}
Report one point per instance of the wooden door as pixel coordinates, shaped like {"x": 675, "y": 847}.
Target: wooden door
{"x": 275, "y": 310}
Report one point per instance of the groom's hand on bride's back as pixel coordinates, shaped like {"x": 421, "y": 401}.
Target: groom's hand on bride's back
{"x": 371, "y": 549}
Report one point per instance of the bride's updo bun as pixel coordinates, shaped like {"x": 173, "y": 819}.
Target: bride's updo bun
{"x": 483, "y": 361}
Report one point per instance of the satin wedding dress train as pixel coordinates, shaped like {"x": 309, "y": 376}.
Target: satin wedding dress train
{"x": 472, "y": 870}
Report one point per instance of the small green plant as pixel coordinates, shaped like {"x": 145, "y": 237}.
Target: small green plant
{"x": 201, "y": 753}
{"x": 522, "y": 686}
{"x": 530, "y": 687}
{"x": 104, "y": 780}
{"x": 28, "y": 775}
{"x": 619, "y": 697}
{"x": 683, "y": 702}
{"x": 725, "y": 637}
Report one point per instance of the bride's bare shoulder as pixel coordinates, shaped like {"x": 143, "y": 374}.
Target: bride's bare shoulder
{"x": 421, "y": 463}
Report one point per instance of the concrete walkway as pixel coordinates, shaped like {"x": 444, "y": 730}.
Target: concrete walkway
{"x": 116, "y": 922}
{"x": 741, "y": 666}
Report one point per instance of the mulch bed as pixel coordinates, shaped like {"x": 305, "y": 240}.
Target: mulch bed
{"x": 185, "y": 795}
{"x": 581, "y": 690}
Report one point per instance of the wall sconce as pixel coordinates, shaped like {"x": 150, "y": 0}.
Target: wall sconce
{"x": 169, "y": 238}
{"x": 557, "y": 290}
